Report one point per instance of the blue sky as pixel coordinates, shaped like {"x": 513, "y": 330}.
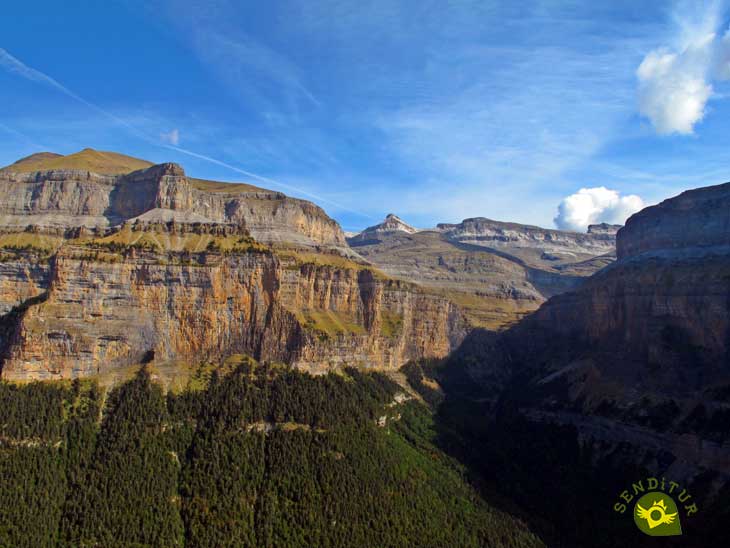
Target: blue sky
{"x": 434, "y": 110}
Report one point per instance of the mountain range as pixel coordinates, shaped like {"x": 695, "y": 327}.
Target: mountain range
{"x": 550, "y": 364}
{"x": 110, "y": 261}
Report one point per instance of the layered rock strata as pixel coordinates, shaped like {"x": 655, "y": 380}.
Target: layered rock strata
{"x": 497, "y": 271}
{"x": 60, "y": 200}
{"x": 102, "y": 310}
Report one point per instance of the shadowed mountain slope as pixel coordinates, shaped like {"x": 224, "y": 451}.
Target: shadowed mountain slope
{"x": 627, "y": 376}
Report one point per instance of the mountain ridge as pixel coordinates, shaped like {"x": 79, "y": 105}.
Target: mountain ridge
{"x": 63, "y": 199}
{"x": 496, "y": 271}
{"x": 88, "y": 159}
{"x": 306, "y": 295}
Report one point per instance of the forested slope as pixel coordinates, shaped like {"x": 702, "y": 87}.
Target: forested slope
{"x": 259, "y": 457}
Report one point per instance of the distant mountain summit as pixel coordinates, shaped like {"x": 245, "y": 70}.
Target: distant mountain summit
{"x": 497, "y": 271}
{"x": 480, "y": 231}
{"x": 604, "y": 228}
{"x": 392, "y": 224}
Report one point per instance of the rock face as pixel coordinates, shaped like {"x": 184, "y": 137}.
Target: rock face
{"x": 22, "y": 277}
{"x": 104, "y": 270}
{"x": 640, "y": 352}
{"x": 62, "y": 200}
{"x": 497, "y": 271}
{"x": 102, "y": 311}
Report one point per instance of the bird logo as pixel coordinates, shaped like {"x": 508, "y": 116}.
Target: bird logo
{"x": 656, "y": 515}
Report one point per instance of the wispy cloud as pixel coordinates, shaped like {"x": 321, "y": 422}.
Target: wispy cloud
{"x": 439, "y": 110}
{"x": 236, "y": 60}
{"x": 467, "y": 109}
{"x": 172, "y": 137}
{"x": 513, "y": 129}
{"x": 263, "y": 76}
{"x": 13, "y": 64}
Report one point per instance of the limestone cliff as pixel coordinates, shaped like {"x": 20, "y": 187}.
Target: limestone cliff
{"x": 696, "y": 218}
{"x": 104, "y": 310}
{"x": 63, "y": 199}
{"x": 121, "y": 265}
{"x": 515, "y": 237}
{"x": 23, "y": 276}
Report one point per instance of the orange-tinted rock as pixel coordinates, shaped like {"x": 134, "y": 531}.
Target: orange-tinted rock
{"x": 110, "y": 311}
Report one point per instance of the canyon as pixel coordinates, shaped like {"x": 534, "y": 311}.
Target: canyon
{"x": 625, "y": 376}
{"x": 636, "y": 359}
{"x": 110, "y": 261}
{"x": 610, "y": 348}
{"x": 110, "y": 269}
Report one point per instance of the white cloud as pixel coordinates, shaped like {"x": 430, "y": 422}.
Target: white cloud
{"x": 172, "y": 137}
{"x": 675, "y": 83}
{"x": 596, "y": 205}
{"x": 672, "y": 91}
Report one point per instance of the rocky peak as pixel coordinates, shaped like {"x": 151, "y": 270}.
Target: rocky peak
{"x": 168, "y": 169}
{"x": 392, "y": 224}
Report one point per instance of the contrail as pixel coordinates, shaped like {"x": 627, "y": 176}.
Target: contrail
{"x": 21, "y": 135}
{"x": 15, "y": 65}
{"x": 258, "y": 177}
